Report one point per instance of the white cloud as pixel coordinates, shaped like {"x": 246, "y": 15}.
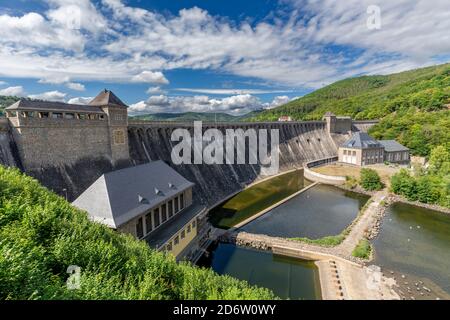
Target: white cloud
{"x": 49, "y": 96}
{"x": 2, "y": 83}
{"x": 278, "y": 101}
{"x": 75, "y": 86}
{"x": 80, "y": 100}
{"x": 319, "y": 42}
{"x": 13, "y": 91}
{"x": 236, "y": 105}
{"x": 229, "y": 91}
{"x": 150, "y": 77}
{"x": 155, "y": 90}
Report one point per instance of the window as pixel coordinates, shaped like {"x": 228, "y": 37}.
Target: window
{"x": 57, "y": 115}
{"x": 164, "y": 212}
{"x": 176, "y": 204}
{"x": 193, "y": 224}
{"x": 102, "y": 117}
{"x": 70, "y": 116}
{"x": 148, "y": 222}
{"x": 183, "y": 234}
{"x": 156, "y": 217}
{"x": 139, "y": 228}
{"x": 170, "y": 209}
{"x": 82, "y": 116}
{"x": 354, "y": 153}
{"x": 188, "y": 229}
{"x": 29, "y": 114}
{"x": 182, "y": 201}
{"x": 118, "y": 117}
{"x": 169, "y": 246}
{"x": 119, "y": 137}
{"x": 345, "y": 152}
{"x": 43, "y": 114}
{"x": 176, "y": 240}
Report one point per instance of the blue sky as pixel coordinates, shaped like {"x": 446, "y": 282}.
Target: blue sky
{"x": 210, "y": 56}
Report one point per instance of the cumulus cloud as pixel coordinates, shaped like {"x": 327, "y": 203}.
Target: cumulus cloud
{"x": 49, "y": 96}
{"x": 17, "y": 91}
{"x": 75, "y": 86}
{"x": 229, "y": 91}
{"x": 315, "y": 43}
{"x": 155, "y": 90}
{"x": 235, "y": 105}
{"x": 150, "y": 77}
{"x": 80, "y": 100}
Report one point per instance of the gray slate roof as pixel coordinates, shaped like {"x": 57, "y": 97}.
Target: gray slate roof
{"x": 107, "y": 97}
{"x": 392, "y": 146}
{"x": 35, "y": 105}
{"x": 119, "y": 196}
{"x": 361, "y": 140}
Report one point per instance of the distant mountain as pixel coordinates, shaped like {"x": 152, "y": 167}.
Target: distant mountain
{"x": 195, "y": 116}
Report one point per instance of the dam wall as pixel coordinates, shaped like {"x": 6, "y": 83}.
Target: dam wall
{"x": 300, "y": 142}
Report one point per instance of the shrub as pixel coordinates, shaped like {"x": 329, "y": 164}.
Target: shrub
{"x": 41, "y": 235}
{"x": 363, "y": 249}
{"x": 370, "y": 180}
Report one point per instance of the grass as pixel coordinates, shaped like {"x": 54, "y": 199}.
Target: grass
{"x": 353, "y": 173}
{"x": 363, "y": 249}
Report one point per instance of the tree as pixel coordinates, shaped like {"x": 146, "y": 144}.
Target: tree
{"x": 370, "y": 180}
{"x": 440, "y": 160}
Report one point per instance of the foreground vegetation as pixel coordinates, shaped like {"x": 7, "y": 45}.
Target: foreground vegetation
{"x": 412, "y": 106}
{"x": 41, "y": 235}
{"x": 370, "y": 180}
{"x": 431, "y": 185}
{"x": 363, "y": 249}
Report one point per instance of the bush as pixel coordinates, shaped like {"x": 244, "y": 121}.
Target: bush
{"x": 370, "y": 180}
{"x": 41, "y": 235}
{"x": 363, "y": 249}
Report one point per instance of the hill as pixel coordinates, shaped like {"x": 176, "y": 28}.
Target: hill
{"x": 6, "y": 101}
{"x": 41, "y": 235}
{"x": 412, "y": 106}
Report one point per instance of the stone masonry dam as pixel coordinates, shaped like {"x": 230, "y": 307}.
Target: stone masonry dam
{"x": 300, "y": 142}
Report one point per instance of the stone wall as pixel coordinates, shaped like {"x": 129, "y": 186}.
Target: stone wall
{"x": 300, "y": 142}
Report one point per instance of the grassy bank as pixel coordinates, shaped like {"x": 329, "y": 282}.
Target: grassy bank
{"x": 41, "y": 235}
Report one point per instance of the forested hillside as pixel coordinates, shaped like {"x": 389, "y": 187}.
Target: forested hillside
{"x": 41, "y": 235}
{"x": 412, "y": 105}
{"x": 6, "y": 101}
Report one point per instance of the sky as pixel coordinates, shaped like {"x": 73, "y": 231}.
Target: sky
{"x": 210, "y": 56}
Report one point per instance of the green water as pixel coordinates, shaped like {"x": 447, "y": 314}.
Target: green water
{"x": 288, "y": 278}
{"x": 316, "y": 213}
{"x": 256, "y": 198}
{"x": 415, "y": 241}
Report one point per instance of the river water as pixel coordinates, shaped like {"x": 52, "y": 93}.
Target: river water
{"x": 256, "y": 198}
{"x": 415, "y": 241}
{"x": 320, "y": 211}
{"x": 286, "y": 277}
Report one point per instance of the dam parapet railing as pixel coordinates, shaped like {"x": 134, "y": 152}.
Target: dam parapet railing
{"x": 319, "y": 177}
{"x": 226, "y": 124}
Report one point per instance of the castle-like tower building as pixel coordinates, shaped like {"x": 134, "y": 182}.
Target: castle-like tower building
{"x": 52, "y": 133}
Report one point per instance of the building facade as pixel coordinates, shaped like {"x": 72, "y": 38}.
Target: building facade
{"x": 361, "y": 149}
{"x": 49, "y": 133}
{"x": 151, "y": 201}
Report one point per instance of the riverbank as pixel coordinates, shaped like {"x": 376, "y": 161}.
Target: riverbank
{"x": 340, "y": 278}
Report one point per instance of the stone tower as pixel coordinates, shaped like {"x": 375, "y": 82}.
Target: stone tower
{"x": 117, "y": 116}
{"x": 330, "y": 119}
